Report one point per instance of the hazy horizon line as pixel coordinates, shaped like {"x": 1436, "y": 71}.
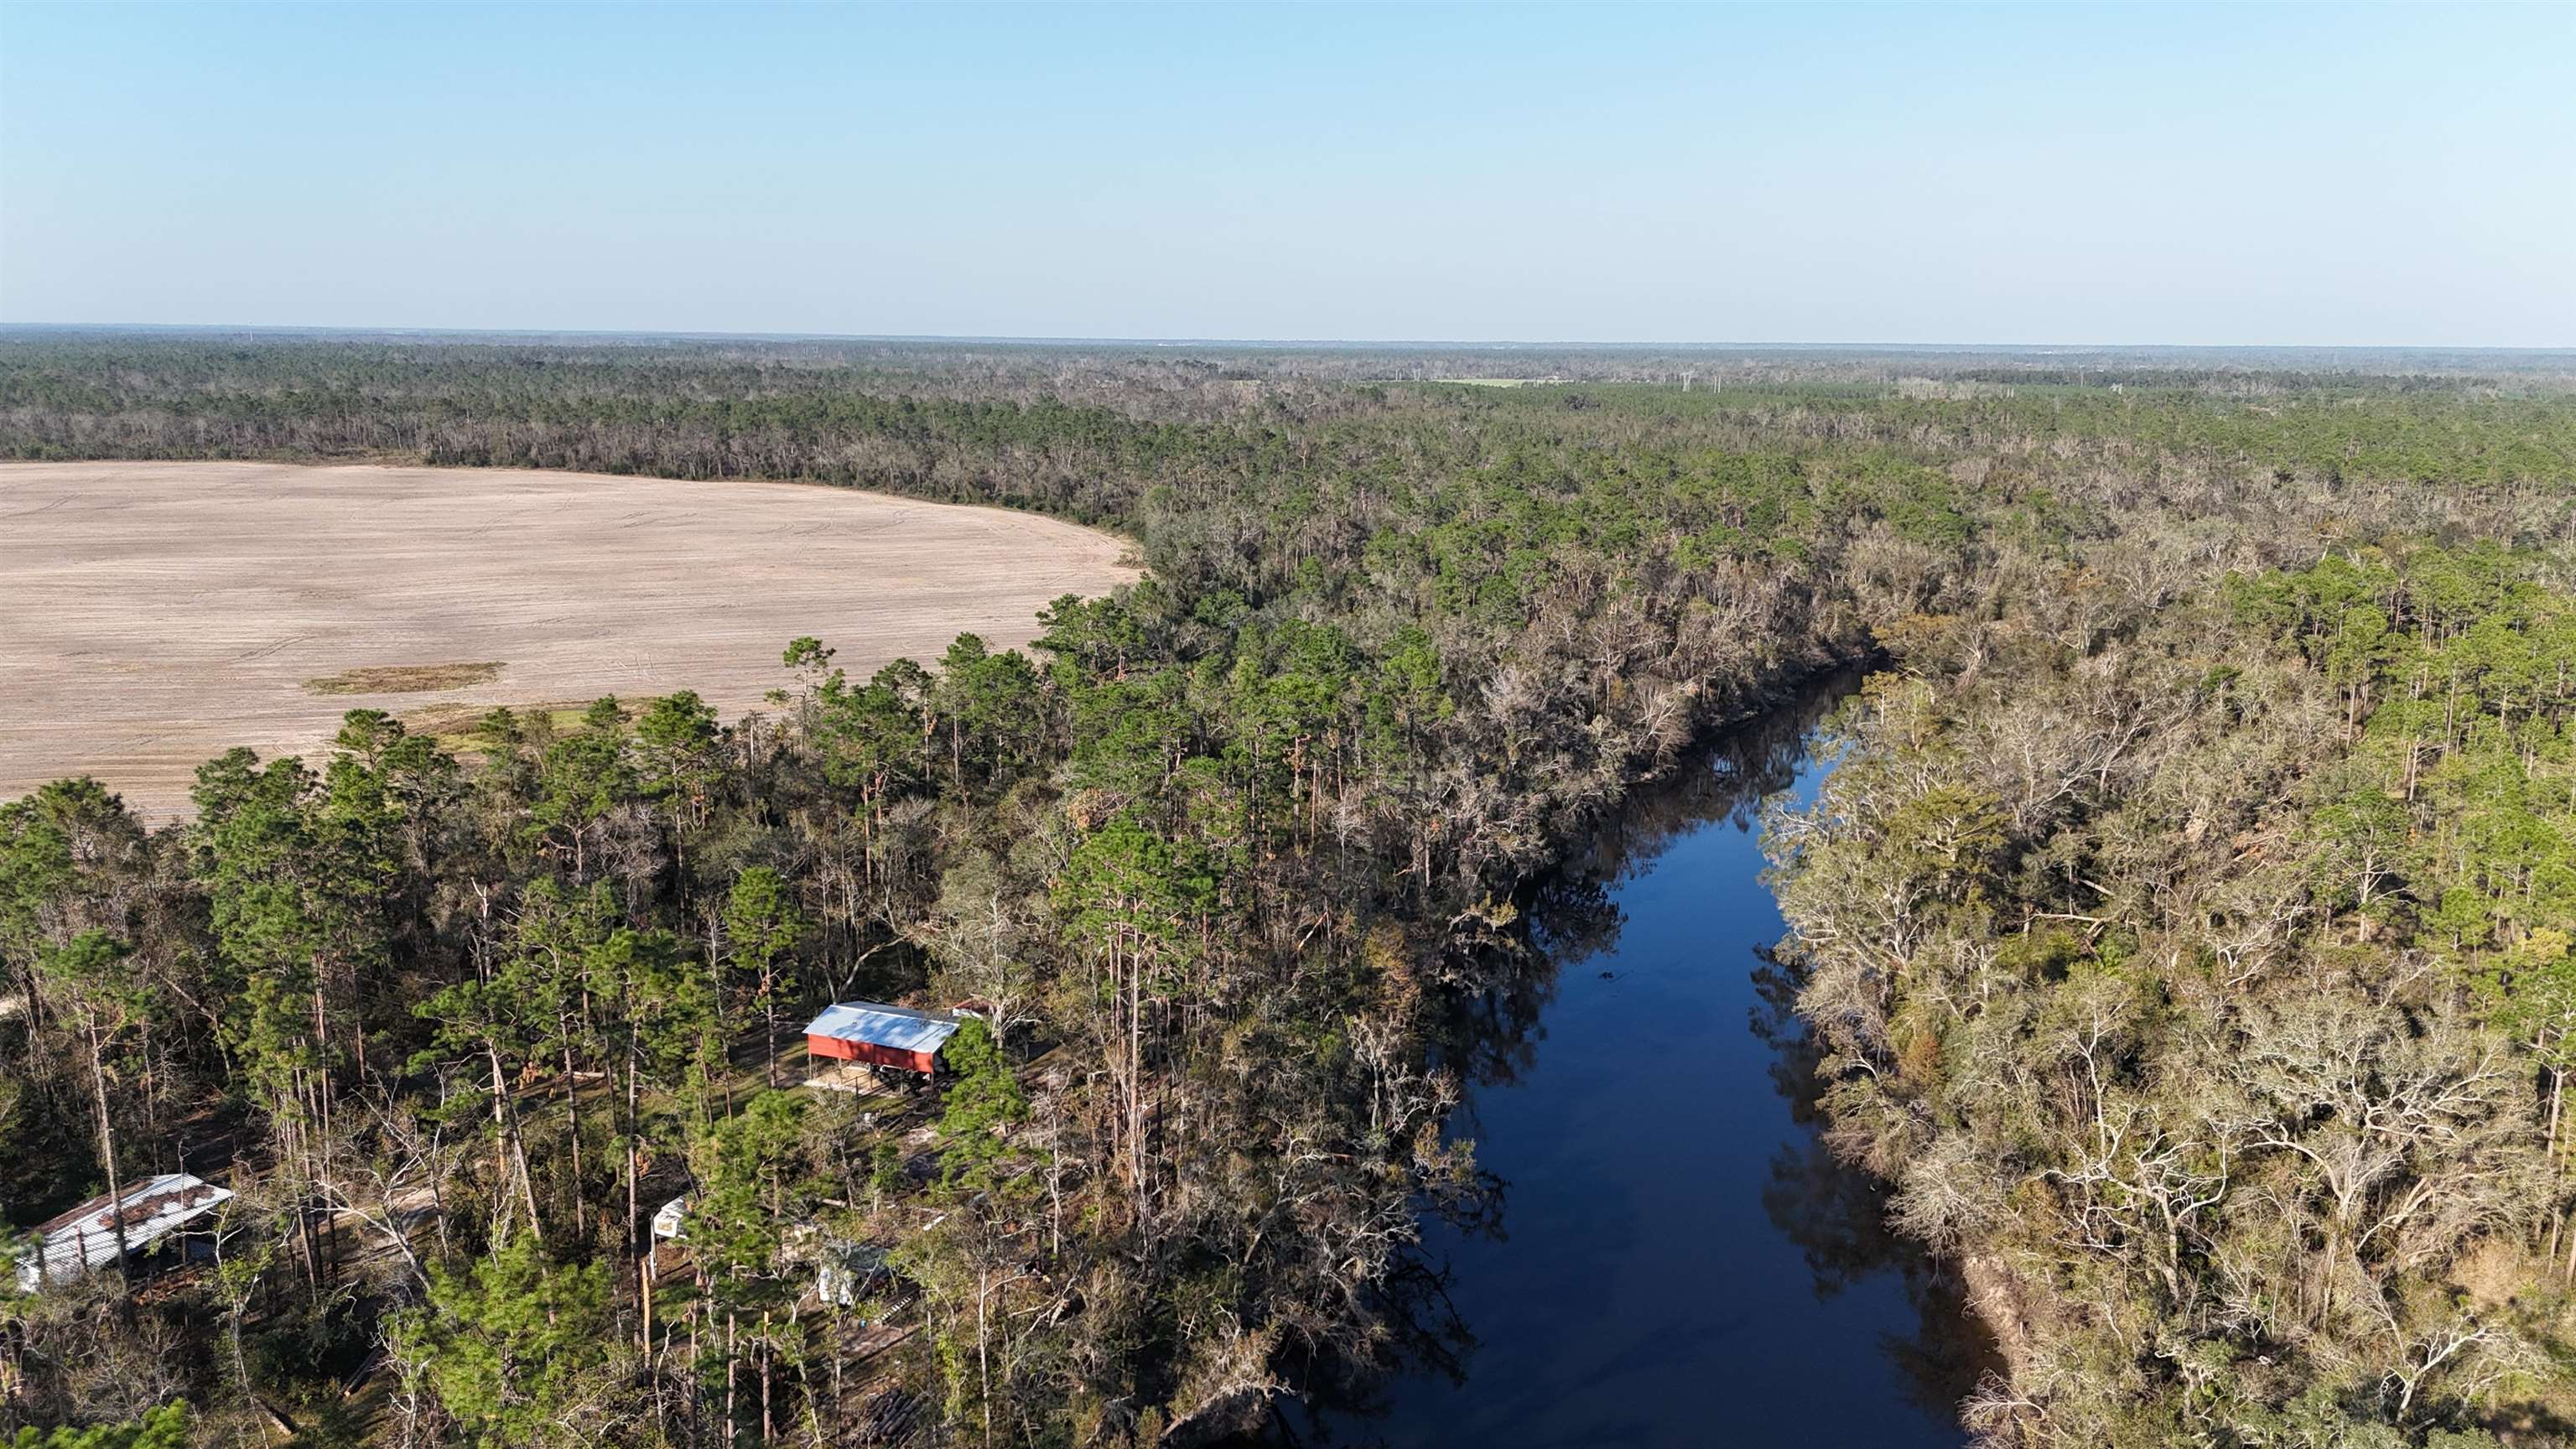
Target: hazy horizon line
{"x": 1445, "y": 343}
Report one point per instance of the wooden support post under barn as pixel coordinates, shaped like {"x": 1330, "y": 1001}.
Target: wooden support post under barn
{"x": 880, "y": 1035}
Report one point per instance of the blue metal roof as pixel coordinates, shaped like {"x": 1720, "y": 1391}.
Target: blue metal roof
{"x": 887, "y": 1026}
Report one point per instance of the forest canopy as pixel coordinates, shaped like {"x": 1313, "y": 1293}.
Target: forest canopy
{"x": 2186, "y": 931}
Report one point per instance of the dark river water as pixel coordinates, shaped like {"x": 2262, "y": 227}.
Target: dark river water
{"x": 1670, "y": 1257}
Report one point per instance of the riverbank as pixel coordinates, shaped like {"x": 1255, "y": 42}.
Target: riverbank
{"x": 1663, "y": 1229}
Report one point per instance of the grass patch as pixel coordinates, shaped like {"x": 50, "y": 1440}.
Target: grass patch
{"x": 404, "y": 678}
{"x": 457, "y": 727}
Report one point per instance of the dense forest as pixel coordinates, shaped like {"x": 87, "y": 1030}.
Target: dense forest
{"x": 2185, "y": 934}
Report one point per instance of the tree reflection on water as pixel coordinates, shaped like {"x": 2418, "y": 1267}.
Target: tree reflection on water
{"x": 1492, "y": 1032}
{"x": 1837, "y": 1216}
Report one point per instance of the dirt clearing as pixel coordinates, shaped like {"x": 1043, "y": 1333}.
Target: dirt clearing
{"x": 153, "y": 615}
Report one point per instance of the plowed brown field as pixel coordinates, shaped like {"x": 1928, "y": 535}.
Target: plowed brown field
{"x": 153, "y": 615}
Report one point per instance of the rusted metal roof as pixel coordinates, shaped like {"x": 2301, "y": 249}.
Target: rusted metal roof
{"x": 878, "y": 1024}
{"x": 85, "y": 1238}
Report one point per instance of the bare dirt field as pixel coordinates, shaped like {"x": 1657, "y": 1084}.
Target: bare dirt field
{"x": 153, "y": 615}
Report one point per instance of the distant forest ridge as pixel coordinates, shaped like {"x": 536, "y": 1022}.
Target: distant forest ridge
{"x": 1497, "y": 357}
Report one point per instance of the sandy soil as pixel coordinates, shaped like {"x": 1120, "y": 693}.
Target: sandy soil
{"x": 153, "y": 615}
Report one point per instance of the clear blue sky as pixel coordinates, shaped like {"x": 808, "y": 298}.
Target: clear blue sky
{"x": 1811, "y": 173}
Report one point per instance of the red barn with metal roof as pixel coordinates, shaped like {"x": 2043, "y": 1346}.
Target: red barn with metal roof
{"x": 880, "y": 1035}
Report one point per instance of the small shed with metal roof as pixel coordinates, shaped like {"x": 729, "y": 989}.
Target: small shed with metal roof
{"x": 880, "y": 1035}
{"x": 128, "y": 1221}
